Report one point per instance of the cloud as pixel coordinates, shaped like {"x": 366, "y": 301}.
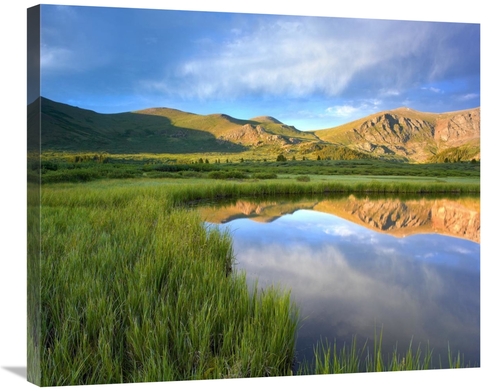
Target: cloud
{"x": 59, "y": 60}
{"x": 462, "y": 250}
{"x": 56, "y": 58}
{"x": 340, "y": 230}
{"x": 436, "y": 90}
{"x": 432, "y": 89}
{"x": 427, "y": 255}
{"x": 353, "y": 110}
{"x": 389, "y": 92}
{"x": 330, "y": 65}
{"x": 342, "y": 111}
{"x": 301, "y": 56}
{"x": 68, "y": 45}
{"x": 468, "y": 97}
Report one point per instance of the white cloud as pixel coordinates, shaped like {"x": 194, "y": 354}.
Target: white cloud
{"x": 432, "y": 89}
{"x": 353, "y": 110}
{"x": 297, "y": 58}
{"x": 389, "y": 92}
{"x": 341, "y": 111}
{"x": 59, "y": 59}
{"x": 55, "y": 58}
{"x": 462, "y": 250}
{"x": 385, "y": 250}
{"x": 468, "y": 96}
{"x": 340, "y": 230}
{"x": 66, "y": 46}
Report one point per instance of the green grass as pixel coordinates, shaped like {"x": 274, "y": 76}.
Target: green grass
{"x": 332, "y": 359}
{"x": 135, "y": 290}
{"x": 259, "y": 178}
{"x": 34, "y": 282}
{"x": 57, "y": 167}
{"x": 134, "y": 287}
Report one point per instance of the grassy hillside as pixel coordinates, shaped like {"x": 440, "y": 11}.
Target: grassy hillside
{"x": 157, "y": 130}
{"x": 70, "y": 128}
{"x": 466, "y": 152}
{"x": 403, "y": 134}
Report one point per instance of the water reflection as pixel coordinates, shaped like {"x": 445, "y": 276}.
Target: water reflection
{"x": 400, "y": 217}
{"x": 349, "y": 278}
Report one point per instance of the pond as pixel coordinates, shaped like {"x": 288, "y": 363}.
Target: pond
{"x": 409, "y": 268}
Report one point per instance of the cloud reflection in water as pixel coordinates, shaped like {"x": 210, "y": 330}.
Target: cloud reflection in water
{"x": 348, "y": 280}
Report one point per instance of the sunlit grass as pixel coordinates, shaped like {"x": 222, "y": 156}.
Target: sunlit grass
{"x": 83, "y": 168}
{"x": 332, "y": 359}
{"x": 135, "y": 288}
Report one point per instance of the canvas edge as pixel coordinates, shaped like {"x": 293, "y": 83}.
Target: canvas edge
{"x": 33, "y": 197}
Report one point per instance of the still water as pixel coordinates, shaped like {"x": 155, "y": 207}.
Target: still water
{"x": 410, "y": 268}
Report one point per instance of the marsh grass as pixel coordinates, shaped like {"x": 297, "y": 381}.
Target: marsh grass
{"x": 33, "y": 279}
{"x": 135, "y": 288}
{"x": 332, "y": 359}
{"x": 224, "y": 189}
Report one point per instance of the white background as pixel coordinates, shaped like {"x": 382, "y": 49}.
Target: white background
{"x": 13, "y": 188}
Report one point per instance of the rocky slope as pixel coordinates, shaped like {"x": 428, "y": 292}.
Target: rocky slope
{"x": 458, "y": 128}
{"x": 408, "y": 134}
{"x": 459, "y": 218}
{"x": 401, "y": 134}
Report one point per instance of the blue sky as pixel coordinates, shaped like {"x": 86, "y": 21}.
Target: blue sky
{"x": 310, "y": 72}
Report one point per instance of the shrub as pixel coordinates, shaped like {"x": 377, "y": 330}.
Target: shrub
{"x": 227, "y": 175}
{"x": 303, "y": 178}
{"x": 48, "y": 165}
{"x": 190, "y": 174}
{"x": 264, "y": 175}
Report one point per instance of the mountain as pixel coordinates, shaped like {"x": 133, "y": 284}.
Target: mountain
{"x": 262, "y": 211}
{"x": 458, "y": 218}
{"x": 69, "y": 128}
{"x": 411, "y": 135}
{"x": 157, "y": 130}
{"x": 401, "y": 134}
{"x": 400, "y": 218}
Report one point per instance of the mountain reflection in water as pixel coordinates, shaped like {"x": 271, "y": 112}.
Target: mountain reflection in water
{"x": 457, "y": 217}
{"x": 355, "y": 265}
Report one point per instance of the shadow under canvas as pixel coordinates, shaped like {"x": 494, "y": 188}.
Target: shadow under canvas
{"x": 19, "y": 371}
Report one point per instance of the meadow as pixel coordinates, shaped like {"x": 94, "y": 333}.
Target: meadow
{"x": 64, "y": 167}
{"x": 135, "y": 288}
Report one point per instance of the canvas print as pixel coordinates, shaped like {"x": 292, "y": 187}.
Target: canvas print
{"x": 217, "y": 195}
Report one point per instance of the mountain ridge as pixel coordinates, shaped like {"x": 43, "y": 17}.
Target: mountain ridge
{"x": 408, "y": 133}
{"x": 403, "y": 134}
